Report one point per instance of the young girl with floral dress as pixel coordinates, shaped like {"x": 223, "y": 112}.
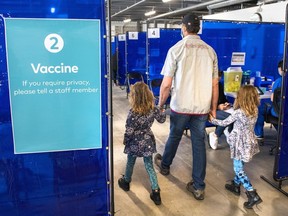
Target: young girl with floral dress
{"x": 139, "y": 139}
{"x": 242, "y": 140}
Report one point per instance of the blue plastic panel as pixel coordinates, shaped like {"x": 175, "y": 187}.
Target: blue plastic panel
{"x": 113, "y": 45}
{"x": 121, "y": 61}
{"x": 62, "y": 183}
{"x": 136, "y": 52}
{"x": 262, "y": 42}
{"x": 158, "y": 48}
{"x": 281, "y": 158}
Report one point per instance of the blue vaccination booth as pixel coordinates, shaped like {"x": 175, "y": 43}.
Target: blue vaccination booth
{"x": 280, "y": 172}
{"x": 226, "y": 38}
{"x": 262, "y": 44}
{"x": 53, "y": 103}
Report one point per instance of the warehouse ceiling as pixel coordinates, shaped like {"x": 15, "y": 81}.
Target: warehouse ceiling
{"x": 175, "y": 9}
{"x": 124, "y": 9}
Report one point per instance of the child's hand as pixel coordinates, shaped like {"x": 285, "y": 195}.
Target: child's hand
{"x": 210, "y": 117}
{"x": 224, "y": 106}
{"x": 227, "y": 106}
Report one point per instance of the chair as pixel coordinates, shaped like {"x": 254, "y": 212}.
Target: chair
{"x": 268, "y": 117}
{"x": 132, "y": 78}
{"x": 154, "y": 85}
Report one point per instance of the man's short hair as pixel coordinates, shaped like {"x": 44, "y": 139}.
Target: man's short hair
{"x": 192, "y": 23}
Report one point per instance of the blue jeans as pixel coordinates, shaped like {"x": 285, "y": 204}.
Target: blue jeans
{"x": 196, "y": 123}
{"x": 148, "y": 162}
{"x": 221, "y": 115}
{"x": 240, "y": 175}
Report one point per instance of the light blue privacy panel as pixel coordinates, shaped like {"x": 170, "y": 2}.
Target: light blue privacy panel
{"x": 68, "y": 182}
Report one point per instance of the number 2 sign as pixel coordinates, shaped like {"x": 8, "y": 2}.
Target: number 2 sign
{"x": 54, "y": 43}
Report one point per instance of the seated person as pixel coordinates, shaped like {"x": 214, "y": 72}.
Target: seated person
{"x": 259, "y": 132}
{"x": 220, "y": 114}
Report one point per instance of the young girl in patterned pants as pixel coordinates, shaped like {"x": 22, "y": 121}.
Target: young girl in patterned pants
{"x": 242, "y": 140}
{"x": 139, "y": 139}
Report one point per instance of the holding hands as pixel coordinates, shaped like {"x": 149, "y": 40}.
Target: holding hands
{"x": 210, "y": 117}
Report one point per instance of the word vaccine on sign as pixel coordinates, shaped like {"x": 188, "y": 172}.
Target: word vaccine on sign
{"x": 44, "y": 69}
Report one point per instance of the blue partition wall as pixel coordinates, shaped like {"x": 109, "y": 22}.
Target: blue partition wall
{"x": 55, "y": 183}
{"x": 281, "y": 158}
{"x": 264, "y": 47}
{"x": 262, "y": 42}
{"x": 136, "y": 52}
{"x": 113, "y": 45}
{"x": 121, "y": 45}
{"x": 158, "y": 48}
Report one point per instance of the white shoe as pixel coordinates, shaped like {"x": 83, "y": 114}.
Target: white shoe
{"x": 226, "y": 132}
{"x": 213, "y": 140}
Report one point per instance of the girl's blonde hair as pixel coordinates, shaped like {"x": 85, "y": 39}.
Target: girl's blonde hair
{"x": 141, "y": 98}
{"x": 247, "y": 100}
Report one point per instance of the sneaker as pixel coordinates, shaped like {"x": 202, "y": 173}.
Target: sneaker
{"x": 157, "y": 161}
{"x": 155, "y": 196}
{"x": 124, "y": 184}
{"x": 226, "y": 132}
{"x": 198, "y": 194}
{"x": 213, "y": 140}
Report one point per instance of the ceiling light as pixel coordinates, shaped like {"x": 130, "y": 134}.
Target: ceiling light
{"x": 127, "y": 20}
{"x": 165, "y": 1}
{"x": 256, "y": 17}
{"x": 152, "y": 12}
{"x": 52, "y": 9}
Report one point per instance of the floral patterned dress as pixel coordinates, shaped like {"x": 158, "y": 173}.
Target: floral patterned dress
{"x": 139, "y": 139}
{"x": 242, "y": 140}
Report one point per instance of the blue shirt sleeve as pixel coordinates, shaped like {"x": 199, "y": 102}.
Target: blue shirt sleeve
{"x": 277, "y": 84}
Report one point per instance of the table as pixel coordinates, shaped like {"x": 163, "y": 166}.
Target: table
{"x": 266, "y": 95}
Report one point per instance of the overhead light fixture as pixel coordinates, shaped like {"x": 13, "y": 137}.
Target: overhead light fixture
{"x": 152, "y": 12}
{"x": 127, "y": 20}
{"x": 165, "y": 1}
{"x": 52, "y": 9}
{"x": 256, "y": 17}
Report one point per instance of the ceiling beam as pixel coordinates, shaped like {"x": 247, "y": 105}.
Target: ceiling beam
{"x": 128, "y": 8}
{"x": 182, "y": 10}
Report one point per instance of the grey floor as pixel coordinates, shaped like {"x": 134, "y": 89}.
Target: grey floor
{"x": 176, "y": 200}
